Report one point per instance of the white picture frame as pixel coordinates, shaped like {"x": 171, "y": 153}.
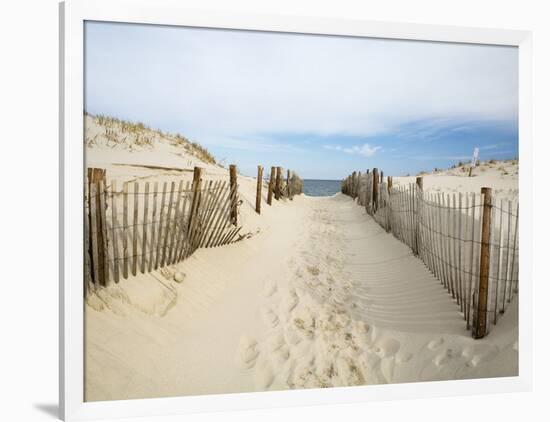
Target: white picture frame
{"x": 73, "y": 14}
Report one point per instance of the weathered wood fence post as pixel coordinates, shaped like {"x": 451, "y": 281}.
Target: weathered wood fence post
{"x": 97, "y": 226}
{"x": 346, "y": 185}
{"x": 168, "y": 222}
{"x": 416, "y": 204}
{"x": 125, "y": 262}
{"x": 389, "y": 204}
{"x": 194, "y": 214}
{"x": 196, "y": 186}
{"x": 479, "y": 328}
{"x": 135, "y": 230}
{"x": 114, "y": 214}
{"x": 420, "y": 182}
{"x": 375, "y": 181}
{"x": 259, "y": 189}
{"x": 359, "y": 199}
{"x": 278, "y": 183}
{"x": 271, "y": 186}
{"x": 144, "y": 232}
{"x": 233, "y": 188}
{"x": 288, "y": 184}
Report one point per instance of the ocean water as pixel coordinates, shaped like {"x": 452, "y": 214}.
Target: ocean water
{"x": 321, "y": 187}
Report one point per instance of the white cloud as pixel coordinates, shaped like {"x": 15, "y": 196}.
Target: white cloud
{"x": 333, "y": 147}
{"x": 240, "y": 83}
{"x": 492, "y": 147}
{"x": 366, "y": 150}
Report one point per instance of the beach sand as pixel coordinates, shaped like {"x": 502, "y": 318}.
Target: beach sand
{"x": 319, "y": 295}
{"x": 501, "y": 176}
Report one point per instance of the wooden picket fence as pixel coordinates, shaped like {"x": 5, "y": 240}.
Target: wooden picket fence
{"x": 141, "y": 226}
{"x": 278, "y": 186}
{"x": 468, "y": 241}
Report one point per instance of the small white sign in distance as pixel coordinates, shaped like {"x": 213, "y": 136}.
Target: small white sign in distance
{"x": 475, "y": 156}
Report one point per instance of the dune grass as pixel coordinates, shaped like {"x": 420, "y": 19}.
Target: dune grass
{"x": 140, "y": 134}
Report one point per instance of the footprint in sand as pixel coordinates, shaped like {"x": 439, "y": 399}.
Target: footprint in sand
{"x": 304, "y": 351}
{"x": 263, "y": 375}
{"x": 281, "y": 355}
{"x": 389, "y": 347}
{"x": 470, "y": 351}
{"x": 247, "y": 352}
{"x": 275, "y": 341}
{"x": 387, "y": 368}
{"x": 480, "y": 353}
{"x": 445, "y": 357}
{"x": 301, "y": 374}
{"x": 305, "y": 325}
{"x": 403, "y": 357}
{"x": 313, "y": 283}
{"x": 435, "y": 343}
{"x": 291, "y": 336}
{"x": 361, "y": 334}
{"x": 336, "y": 301}
{"x": 371, "y": 364}
{"x": 270, "y": 287}
{"x": 270, "y": 318}
{"x": 288, "y": 303}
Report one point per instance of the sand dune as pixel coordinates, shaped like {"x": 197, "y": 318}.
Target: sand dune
{"x": 319, "y": 295}
{"x": 501, "y": 176}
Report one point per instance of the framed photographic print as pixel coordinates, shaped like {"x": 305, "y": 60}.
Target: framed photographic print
{"x": 264, "y": 210}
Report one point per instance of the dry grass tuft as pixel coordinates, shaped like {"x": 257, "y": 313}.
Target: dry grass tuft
{"x": 203, "y": 153}
{"x": 132, "y": 134}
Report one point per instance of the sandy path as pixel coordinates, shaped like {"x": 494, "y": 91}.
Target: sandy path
{"x": 359, "y": 308}
{"x": 321, "y": 297}
{"x": 391, "y": 287}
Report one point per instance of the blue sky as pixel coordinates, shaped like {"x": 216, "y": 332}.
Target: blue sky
{"x": 323, "y": 106}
